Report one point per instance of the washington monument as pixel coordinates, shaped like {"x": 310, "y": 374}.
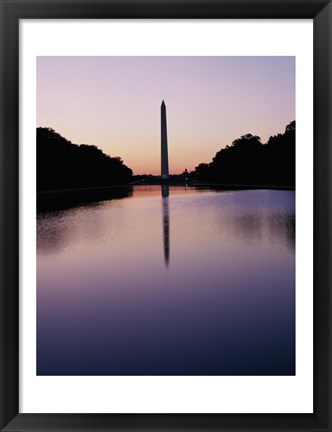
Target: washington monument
{"x": 164, "y": 152}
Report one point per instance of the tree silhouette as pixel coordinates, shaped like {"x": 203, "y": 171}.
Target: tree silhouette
{"x": 248, "y": 161}
{"x": 62, "y": 164}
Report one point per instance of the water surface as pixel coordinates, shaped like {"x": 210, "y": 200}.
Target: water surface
{"x": 178, "y": 281}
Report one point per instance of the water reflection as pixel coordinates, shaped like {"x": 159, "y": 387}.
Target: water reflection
{"x": 165, "y": 194}
{"x": 59, "y": 211}
{"x": 69, "y": 198}
{"x": 253, "y": 228}
{"x": 111, "y": 302}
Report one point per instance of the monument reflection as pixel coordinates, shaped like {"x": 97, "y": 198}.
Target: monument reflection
{"x": 165, "y": 207}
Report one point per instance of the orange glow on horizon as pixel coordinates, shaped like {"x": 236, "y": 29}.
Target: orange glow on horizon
{"x": 114, "y": 103}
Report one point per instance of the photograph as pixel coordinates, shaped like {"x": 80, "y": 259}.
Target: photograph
{"x": 166, "y": 215}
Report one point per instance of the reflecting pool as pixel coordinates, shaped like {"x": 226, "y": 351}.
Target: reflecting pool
{"x": 168, "y": 281}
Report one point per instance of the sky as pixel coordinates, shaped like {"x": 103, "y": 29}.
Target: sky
{"x": 114, "y": 103}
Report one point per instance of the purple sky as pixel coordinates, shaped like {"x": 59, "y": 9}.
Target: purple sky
{"x": 114, "y": 103}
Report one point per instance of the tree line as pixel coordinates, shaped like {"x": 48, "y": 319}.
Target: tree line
{"x": 62, "y": 164}
{"x": 248, "y": 161}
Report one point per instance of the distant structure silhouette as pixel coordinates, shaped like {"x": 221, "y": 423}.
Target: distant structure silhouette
{"x": 164, "y": 151}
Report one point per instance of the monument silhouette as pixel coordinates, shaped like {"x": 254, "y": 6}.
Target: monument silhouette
{"x": 164, "y": 151}
{"x": 164, "y": 176}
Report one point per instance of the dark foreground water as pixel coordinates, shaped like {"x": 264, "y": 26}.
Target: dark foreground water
{"x": 182, "y": 281}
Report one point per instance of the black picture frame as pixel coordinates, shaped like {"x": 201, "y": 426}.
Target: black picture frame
{"x": 14, "y": 10}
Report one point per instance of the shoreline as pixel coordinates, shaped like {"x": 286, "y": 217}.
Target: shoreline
{"x": 105, "y": 189}
{"x": 59, "y": 199}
